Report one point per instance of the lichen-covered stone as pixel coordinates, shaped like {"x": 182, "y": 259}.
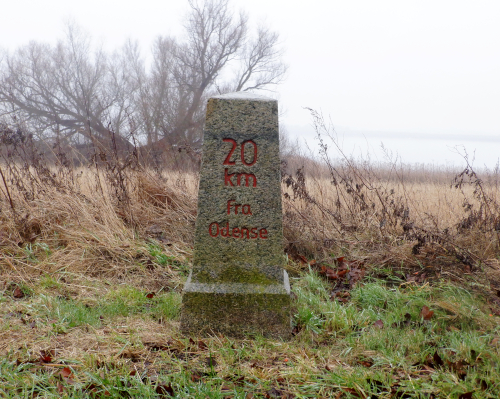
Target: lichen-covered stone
{"x": 237, "y": 309}
{"x": 238, "y": 284}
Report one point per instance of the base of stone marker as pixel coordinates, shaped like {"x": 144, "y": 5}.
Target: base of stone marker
{"x": 236, "y": 310}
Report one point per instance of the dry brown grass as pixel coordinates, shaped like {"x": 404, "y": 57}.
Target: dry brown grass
{"x": 445, "y": 222}
{"x": 429, "y": 205}
{"x": 101, "y": 220}
{"x": 80, "y": 222}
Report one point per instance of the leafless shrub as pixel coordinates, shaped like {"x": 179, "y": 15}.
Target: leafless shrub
{"x": 351, "y": 207}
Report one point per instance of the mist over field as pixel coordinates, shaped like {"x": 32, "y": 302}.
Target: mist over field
{"x": 437, "y": 149}
{"x": 389, "y": 67}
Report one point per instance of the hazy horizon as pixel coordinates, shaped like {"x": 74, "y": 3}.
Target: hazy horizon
{"x": 418, "y": 76}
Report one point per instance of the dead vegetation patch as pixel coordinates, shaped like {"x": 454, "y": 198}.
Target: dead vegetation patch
{"x": 114, "y": 218}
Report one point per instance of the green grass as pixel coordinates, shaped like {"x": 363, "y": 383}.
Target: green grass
{"x": 376, "y": 345}
{"x": 458, "y": 331}
{"x": 124, "y": 302}
{"x": 162, "y": 259}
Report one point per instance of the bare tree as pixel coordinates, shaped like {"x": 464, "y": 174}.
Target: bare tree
{"x": 218, "y": 55}
{"x": 66, "y": 89}
{"x": 261, "y": 63}
{"x": 74, "y": 90}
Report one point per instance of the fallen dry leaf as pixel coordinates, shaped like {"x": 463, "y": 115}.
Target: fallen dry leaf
{"x": 340, "y": 261}
{"x": 341, "y": 296}
{"x": 211, "y": 362}
{"x": 226, "y": 387}
{"x": 60, "y": 388}
{"x": 66, "y": 373}
{"x": 355, "y": 274}
{"x": 426, "y": 314}
{"x": 328, "y": 272}
{"x": 202, "y": 345}
{"x": 379, "y": 324}
{"x": 196, "y": 376}
{"x": 46, "y": 356}
{"x": 164, "y": 390}
{"x": 274, "y": 393}
{"x": 366, "y": 363}
{"x": 303, "y": 259}
{"x": 280, "y": 380}
{"x": 18, "y": 293}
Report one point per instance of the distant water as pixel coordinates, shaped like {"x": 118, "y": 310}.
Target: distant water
{"x": 443, "y": 149}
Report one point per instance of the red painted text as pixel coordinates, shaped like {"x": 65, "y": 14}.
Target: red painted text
{"x": 232, "y": 206}
{"x": 215, "y": 230}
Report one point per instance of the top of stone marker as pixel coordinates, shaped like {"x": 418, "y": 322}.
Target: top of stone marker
{"x": 244, "y": 95}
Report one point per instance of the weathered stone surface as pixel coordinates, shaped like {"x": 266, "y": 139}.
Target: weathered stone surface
{"x": 237, "y": 285}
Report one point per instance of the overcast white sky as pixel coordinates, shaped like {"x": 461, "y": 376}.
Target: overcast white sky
{"x": 420, "y": 76}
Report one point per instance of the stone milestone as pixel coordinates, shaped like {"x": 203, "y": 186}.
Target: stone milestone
{"x": 237, "y": 285}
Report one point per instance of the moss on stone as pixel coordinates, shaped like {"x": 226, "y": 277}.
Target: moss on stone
{"x": 236, "y": 310}
{"x": 234, "y": 274}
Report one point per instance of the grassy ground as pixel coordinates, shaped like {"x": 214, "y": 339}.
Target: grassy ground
{"x": 67, "y": 336}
